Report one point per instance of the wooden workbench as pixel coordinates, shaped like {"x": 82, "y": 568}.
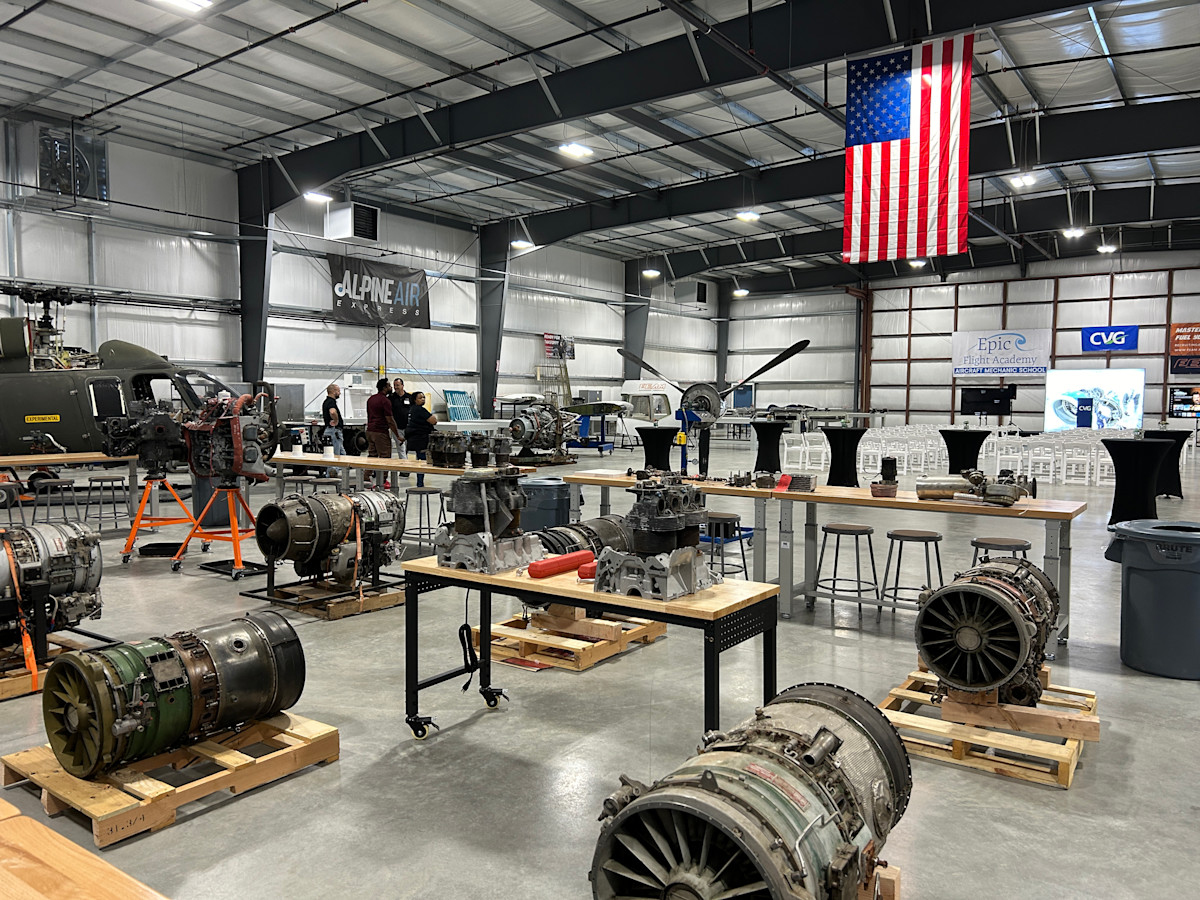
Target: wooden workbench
{"x": 61, "y": 460}
{"x": 365, "y": 463}
{"x": 1057, "y": 515}
{"x": 727, "y": 613}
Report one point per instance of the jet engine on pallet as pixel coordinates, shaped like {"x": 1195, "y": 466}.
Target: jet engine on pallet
{"x": 663, "y": 560}
{"x": 65, "y": 557}
{"x": 113, "y": 705}
{"x": 333, "y": 535}
{"x": 795, "y": 803}
{"x": 987, "y": 629}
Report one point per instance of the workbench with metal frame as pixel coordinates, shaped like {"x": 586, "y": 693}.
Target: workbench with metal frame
{"x": 1057, "y": 515}
{"x": 52, "y": 460}
{"x": 728, "y": 614}
{"x": 365, "y": 463}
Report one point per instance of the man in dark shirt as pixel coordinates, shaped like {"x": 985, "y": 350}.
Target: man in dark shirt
{"x": 333, "y": 422}
{"x": 401, "y": 405}
{"x": 381, "y": 425}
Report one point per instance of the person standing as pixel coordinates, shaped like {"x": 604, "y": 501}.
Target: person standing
{"x": 381, "y": 425}
{"x": 401, "y": 406}
{"x": 333, "y": 423}
{"x": 420, "y": 425}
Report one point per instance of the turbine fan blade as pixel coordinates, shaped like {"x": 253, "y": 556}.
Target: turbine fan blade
{"x": 781, "y": 358}
{"x": 634, "y": 358}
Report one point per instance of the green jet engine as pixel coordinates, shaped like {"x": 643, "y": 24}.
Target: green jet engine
{"x": 110, "y": 706}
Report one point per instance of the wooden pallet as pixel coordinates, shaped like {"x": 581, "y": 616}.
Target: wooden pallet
{"x": 319, "y": 592}
{"x": 884, "y": 885}
{"x": 565, "y": 638}
{"x": 131, "y": 800}
{"x": 16, "y": 682}
{"x": 977, "y": 732}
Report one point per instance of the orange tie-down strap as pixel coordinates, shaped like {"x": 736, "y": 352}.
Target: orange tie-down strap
{"x": 26, "y": 640}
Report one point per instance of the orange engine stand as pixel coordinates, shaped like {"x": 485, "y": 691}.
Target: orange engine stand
{"x": 141, "y": 520}
{"x": 231, "y": 535}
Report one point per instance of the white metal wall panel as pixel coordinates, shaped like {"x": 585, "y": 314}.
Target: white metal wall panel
{"x": 941, "y": 295}
{"x": 931, "y": 373}
{"x": 1083, "y": 287}
{"x": 980, "y": 294}
{"x": 889, "y": 347}
{"x": 1140, "y": 284}
{"x": 682, "y": 366}
{"x": 1034, "y": 290}
{"x": 568, "y": 269}
{"x": 51, "y": 247}
{"x": 930, "y": 346}
{"x": 667, "y": 330}
{"x": 979, "y": 318}
{"x": 528, "y": 310}
{"x": 925, "y": 321}
{"x": 1140, "y": 311}
{"x": 1031, "y": 316}
{"x": 1082, "y": 314}
{"x": 889, "y": 299}
{"x": 165, "y": 264}
{"x": 794, "y": 305}
{"x": 889, "y": 323}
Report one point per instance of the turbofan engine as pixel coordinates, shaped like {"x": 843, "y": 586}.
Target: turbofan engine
{"x": 332, "y": 534}
{"x": 987, "y": 629}
{"x": 66, "y": 556}
{"x": 793, "y": 804}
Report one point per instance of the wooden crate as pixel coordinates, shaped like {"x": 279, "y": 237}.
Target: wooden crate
{"x": 131, "y": 800}
{"x": 17, "y": 682}
{"x": 564, "y": 638}
{"x": 977, "y": 732}
{"x": 322, "y": 607}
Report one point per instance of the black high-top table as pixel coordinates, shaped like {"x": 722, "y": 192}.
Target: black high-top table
{"x": 656, "y": 444}
{"x": 1168, "y": 474}
{"x": 843, "y": 455}
{"x": 1137, "y": 464}
{"x": 963, "y": 447}
{"x": 767, "y": 434}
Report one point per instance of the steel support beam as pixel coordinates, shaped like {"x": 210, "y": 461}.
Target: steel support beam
{"x": 637, "y": 316}
{"x": 493, "y": 286}
{"x": 783, "y": 42}
{"x": 724, "y": 312}
{"x": 256, "y": 226}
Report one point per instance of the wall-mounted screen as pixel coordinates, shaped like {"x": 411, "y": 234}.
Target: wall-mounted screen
{"x": 1117, "y": 396}
{"x": 1185, "y": 402}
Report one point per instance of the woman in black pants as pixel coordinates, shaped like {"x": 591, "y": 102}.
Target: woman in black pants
{"x": 416, "y": 433}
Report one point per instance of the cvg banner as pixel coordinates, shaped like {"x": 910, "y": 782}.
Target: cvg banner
{"x": 373, "y": 293}
{"x": 1003, "y": 352}
{"x": 1111, "y": 338}
{"x": 1185, "y": 348}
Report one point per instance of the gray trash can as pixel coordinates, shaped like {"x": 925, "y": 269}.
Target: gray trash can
{"x": 1160, "y": 595}
{"x": 549, "y": 503}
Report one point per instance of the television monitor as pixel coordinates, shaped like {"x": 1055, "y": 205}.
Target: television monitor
{"x": 1117, "y": 394}
{"x": 988, "y": 401}
{"x": 1185, "y": 402}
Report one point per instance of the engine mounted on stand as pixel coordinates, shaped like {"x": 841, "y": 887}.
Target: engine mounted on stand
{"x": 987, "y": 630}
{"x": 542, "y": 427}
{"x": 233, "y": 436}
{"x": 49, "y": 581}
{"x": 664, "y": 560}
{"x": 795, "y": 803}
{"x": 343, "y": 541}
{"x": 486, "y": 533}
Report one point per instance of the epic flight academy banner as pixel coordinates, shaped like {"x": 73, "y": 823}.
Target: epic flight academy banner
{"x": 373, "y": 293}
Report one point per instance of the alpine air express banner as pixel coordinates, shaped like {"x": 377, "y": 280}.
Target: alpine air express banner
{"x": 374, "y": 293}
{"x": 1005, "y": 351}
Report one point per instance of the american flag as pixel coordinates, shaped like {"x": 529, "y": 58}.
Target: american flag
{"x": 908, "y": 126}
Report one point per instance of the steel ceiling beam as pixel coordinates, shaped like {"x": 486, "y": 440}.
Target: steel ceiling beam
{"x": 1065, "y": 138}
{"x": 640, "y": 76}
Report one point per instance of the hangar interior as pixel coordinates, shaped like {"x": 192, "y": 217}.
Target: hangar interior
{"x": 666, "y": 179}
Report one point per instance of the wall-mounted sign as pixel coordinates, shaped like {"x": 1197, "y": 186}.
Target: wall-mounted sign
{"x": 1184, "y": 348}
{"x": 558, "y": 347}
{"x": 1110, "y": 338}
{"x": 1005, "y": 352}
{"x": 373, "y": 293}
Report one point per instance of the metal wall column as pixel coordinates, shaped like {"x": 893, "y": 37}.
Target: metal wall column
{"x": 637, "y": 317}
{"x": 724, "y": 308}
{"x": 493, "y": 285}
{"x": 256, "y": 223}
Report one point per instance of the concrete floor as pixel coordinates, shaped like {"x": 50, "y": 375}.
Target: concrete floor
{"x": 504, "y": 803}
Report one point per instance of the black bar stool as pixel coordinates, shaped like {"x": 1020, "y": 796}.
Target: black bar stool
{"x": 114, "y": 487}
{"x": 10, "y": 497}
{"x": 426, "y": 528}
{"x": 724, "y": 528}
{"x": 861, "y": 585}
{"x": 1004, "y": 546}
{"x": 326, "y": 485}
{"x": 46, "y": 488}
{"x": 897, "y": 539}
{"x": 299, "y": 482}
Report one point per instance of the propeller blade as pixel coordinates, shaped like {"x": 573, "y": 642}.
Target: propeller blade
{"x": 781, "y": 358}
{"x": 634, "y": 358}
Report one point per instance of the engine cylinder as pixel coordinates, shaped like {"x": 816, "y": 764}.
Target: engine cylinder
{"x": 113, "y": 705}
{"x": 67, "y": 556}
{"x": 988, "y": 629}
{"x": 795, "y": 802}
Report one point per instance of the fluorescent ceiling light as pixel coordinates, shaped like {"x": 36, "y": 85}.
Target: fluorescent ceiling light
{"x": 748, "y": 215}
{"x": 578, "y": 151}
{"x": 1106, "y": 248}
{"x": 1023, "y": 179}
{"x": 317, "y": 197}
{"x": 917, "y": 263}
{"x": 1073, "y": 232}
{"x": 741, "y": 292}
{"x": 189, "y": 5}
{"x": 650, "y": 273}
{"x": 520, "y": 244}
{"x": 201, "y": 234}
